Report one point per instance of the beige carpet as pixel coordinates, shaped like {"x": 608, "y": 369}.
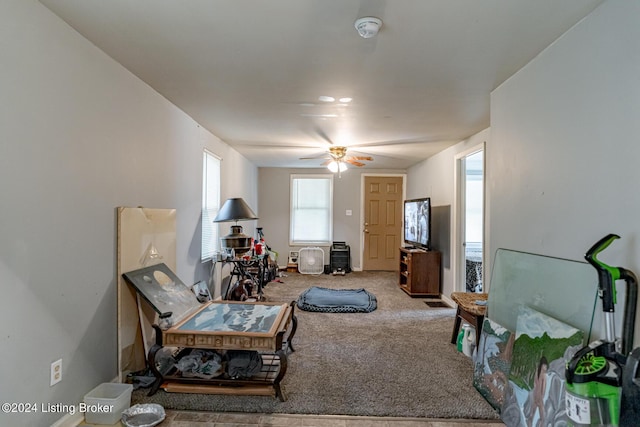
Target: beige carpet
{"x": 394, "y": 361}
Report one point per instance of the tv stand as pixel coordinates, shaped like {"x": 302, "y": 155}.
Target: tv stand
{"x": 419, "y": 274}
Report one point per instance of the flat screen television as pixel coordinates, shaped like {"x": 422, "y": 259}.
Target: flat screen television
{"x": 417, "y": 223}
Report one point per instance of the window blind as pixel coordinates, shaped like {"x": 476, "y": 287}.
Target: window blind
{"x": 311, "y": 209}
{"x": 210, "y": 204}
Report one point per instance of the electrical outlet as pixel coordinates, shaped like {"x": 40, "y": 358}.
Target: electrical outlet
{"x": 56, "y": 372}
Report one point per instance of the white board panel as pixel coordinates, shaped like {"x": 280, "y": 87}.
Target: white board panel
{"x": 145, "y": 237}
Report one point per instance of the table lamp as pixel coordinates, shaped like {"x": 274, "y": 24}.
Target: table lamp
{"x": 235, "y": 209}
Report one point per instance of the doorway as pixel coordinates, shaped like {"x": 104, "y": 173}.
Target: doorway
{"x": 382, "y": 222}
{"x": 469, "y": 243}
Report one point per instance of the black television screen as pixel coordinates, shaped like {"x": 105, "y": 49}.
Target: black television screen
{"x": 417, "y": 222}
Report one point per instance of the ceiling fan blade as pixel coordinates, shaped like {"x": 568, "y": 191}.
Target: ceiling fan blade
{"x": 353, "y": 162}
{"x": 407, "y": 141}
{"x": 324, "y": 136}
{"x": 319, "y": 156}
{"x": 367, "y": 158}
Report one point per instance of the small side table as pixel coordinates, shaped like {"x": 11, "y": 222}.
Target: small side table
{"x": 468, "y": 310}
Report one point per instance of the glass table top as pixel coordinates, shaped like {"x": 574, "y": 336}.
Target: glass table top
{"x": 234, "y": 317}
{"x": 564, "y": 289}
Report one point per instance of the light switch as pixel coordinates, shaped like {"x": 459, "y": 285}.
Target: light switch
{"x": 349, "y": 213}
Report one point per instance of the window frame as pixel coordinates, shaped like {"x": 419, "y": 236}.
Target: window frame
{"x": 210, "y": 231}
{"x": 292, "y": 210}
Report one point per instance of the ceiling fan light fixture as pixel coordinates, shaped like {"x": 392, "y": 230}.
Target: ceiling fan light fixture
{"x": 337, "y": 152}
{"x": 326, "y": 98}
{"x": 337, "y": 166}
{"x": 368, "y": 26}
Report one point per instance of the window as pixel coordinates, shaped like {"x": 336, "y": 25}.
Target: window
{"x": 210, "y": 204}
{"x": 311, "y": 209}
{"x": 473, "y": 164}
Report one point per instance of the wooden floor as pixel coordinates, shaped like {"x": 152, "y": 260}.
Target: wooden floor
{"x": 213, "y": 419}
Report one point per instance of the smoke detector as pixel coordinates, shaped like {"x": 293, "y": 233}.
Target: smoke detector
{"x": 368, "y": 26}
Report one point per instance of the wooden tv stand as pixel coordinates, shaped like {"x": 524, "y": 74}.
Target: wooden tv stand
{"x": 419, "y": 274}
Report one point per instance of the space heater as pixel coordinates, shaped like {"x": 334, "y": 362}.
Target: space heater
{"x": 311, "y": 261}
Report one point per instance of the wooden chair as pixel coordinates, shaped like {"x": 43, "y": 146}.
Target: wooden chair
{"x": 468, "y": 310}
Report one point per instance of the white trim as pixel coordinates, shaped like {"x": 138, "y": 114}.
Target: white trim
{"x": 70, "y": 420}
{"x": 471, "y": 150}
{"x": 302, "y": 243}
{"x": 458, "y": 227}
{"x": 448, "y": 300}
{"x": 362, "y": 207}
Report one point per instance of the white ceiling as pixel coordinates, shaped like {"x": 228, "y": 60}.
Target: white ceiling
{"x": 251, "y": 71}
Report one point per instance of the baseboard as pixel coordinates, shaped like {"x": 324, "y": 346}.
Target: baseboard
{"x": 70, "y": 420}
{"x": 448, "y": 300}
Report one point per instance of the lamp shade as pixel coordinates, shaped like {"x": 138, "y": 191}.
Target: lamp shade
{"x": 335, "y": 166}
{"x": 235, "y": 209}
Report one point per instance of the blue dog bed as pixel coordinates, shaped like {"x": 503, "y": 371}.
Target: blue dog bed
{"x": 337, "y": 300}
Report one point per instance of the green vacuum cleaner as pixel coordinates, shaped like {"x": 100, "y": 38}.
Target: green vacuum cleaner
{"x": 594, "y": 375}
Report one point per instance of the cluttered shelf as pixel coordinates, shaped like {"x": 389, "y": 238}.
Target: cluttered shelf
{"x": 255, "y": 359}
{"x": 245, "y": 343}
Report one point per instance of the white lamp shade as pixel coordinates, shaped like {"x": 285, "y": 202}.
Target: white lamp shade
{"x": 334, "y": 166}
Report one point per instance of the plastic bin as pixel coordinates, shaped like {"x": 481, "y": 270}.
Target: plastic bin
{"x": 105, "y": 403}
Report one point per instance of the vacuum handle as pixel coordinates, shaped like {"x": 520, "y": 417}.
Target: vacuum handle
{"x": 598, "y": 247}
{"x": 607, "y": 275}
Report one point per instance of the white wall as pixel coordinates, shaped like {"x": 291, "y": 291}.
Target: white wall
{"x": 562, "y": 167}
{"x": 79, "y": 136}
{"x": 347, "y": 195}
{"x": 435, "y": 178}
{"x": 561, "y": 156}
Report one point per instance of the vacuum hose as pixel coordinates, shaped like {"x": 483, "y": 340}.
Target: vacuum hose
{"x": 629, "y": 320}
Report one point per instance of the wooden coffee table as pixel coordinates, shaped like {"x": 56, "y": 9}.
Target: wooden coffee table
{"x": 267, "y": 328}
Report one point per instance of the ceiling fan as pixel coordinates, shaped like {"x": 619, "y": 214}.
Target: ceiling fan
{"x": 337, "y": 159}
{"x": 392, "y": 153}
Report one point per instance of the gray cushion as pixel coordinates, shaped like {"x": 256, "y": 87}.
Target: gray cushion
{"x": 337, "y": 300}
